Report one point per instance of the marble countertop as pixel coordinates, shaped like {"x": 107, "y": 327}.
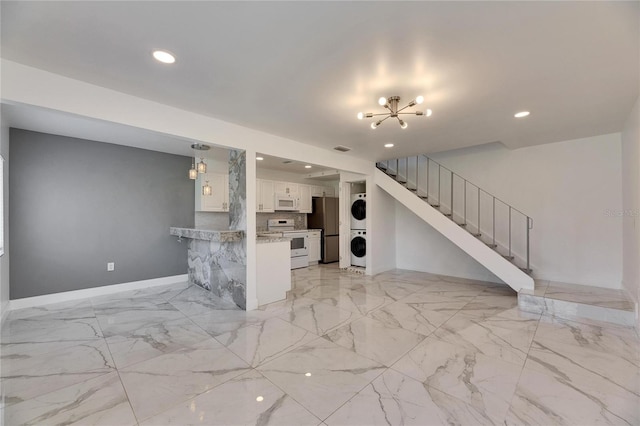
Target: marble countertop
{"x": 264, "y": 240}
{"x": 207, "y": 234}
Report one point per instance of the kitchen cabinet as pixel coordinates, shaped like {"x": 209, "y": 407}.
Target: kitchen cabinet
{"x": 273, "y": 271}
{"x": 304, "y": 204}
{"x": 287, "y": 188}
{"x": 265, "y": 200}
{"x": 321, "y": 191}
{"x": 329, "y": 191}
{"x": 314, "y": 247}
{"x": 218, "y": 201}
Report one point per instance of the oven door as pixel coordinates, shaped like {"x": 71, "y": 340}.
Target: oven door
{"x": 299, "y": 246}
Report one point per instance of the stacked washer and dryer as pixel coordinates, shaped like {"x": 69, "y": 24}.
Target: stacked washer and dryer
{"x": 359, "y": 230}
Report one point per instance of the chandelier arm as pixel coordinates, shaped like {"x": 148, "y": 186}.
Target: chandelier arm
{"x": 403, "y": 108}
{"x": 382, "y": 113}
{"x": 406, "y": 113}
{"x": 388, "y": 116}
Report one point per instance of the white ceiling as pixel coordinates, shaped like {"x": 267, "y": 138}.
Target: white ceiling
{"x": 304, "y": 69}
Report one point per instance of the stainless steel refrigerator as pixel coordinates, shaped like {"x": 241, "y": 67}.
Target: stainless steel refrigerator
{"x": 325, "y": 216}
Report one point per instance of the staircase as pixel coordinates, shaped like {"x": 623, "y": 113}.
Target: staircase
{"x": 491, "y": 231}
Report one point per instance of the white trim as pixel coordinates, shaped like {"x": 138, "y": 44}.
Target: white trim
{"x": 636, "y": 305}
{"x": 252, "y": 304}
{"x": 46, "y": 299}
{"x": 5, "y": 311}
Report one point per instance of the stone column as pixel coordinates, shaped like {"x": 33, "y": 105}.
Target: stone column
{"x": 237, "y": 278}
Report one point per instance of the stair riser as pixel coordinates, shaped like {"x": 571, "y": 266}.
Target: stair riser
{"x": 574, "y": 311}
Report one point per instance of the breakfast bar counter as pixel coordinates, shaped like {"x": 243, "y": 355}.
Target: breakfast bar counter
{"x": 217, "y": 261}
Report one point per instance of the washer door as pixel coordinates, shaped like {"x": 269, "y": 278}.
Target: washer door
{"x": 359, "y": 209}
{"x": 358, "y": 246}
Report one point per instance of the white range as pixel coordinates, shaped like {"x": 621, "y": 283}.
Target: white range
{"x": 299, "y": 240}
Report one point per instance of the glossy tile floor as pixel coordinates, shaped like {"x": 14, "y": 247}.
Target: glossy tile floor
{"x": 345, "y": 349}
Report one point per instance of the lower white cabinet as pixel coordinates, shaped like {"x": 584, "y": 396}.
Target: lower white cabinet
{"x": 218, "y": 201}
{"x": 314, "y": 247}
{"x": 273, "y": 271}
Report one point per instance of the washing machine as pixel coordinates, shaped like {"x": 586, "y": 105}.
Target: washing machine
{"x": 359, "y": 211}
{"x": 359, "y": 248}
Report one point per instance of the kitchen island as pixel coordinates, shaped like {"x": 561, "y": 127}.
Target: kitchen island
{"x": 217, "y": 261}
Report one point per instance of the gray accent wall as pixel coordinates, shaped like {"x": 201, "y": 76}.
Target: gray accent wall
{"x": 78, "y": 204}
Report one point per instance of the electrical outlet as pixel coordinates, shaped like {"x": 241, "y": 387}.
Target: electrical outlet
{"x": 111, "y": 266}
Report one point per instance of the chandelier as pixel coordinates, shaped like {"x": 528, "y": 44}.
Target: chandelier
{"x": 391, "y": 104}
{"x": 201, "y": 167}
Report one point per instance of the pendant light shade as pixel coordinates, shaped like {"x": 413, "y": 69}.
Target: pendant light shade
{"x": 202, "y": 166}
{"x": 193, "y": 173}
{"x": 206, "y": 189}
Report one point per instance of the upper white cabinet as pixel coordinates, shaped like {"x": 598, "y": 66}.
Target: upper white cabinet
{"x": 265, "y": 196}
{"x": 322, "y": 191}
{"x": 287, "y": 188}
{"x": 218, "y": 201}
{"x": 329, "y": 191}
{"x": 304, "y": 205}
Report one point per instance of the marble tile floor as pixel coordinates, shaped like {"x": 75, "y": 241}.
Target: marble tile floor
{"x": 401, "y": 347}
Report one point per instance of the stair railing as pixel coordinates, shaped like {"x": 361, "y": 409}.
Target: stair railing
{"x": 399, "y": 168}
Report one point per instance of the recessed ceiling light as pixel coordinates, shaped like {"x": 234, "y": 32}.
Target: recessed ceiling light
{"x": 260, "y": 399}
{"x": 307, "y": 166}
{"x": 521, "y": 114}
{"x": 259, "y": 158}
{"x": 307, "y": 374}
{"x": 164, "y": 56}
{"x": 388, "y": 145}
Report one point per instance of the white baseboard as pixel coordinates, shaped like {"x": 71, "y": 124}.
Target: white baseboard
{"x": 252, "y": 304}
{"x": 5, "y": 311}
{"x": 29, "y": 302}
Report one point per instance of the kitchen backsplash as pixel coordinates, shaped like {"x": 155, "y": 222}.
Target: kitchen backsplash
{"x": 212, "y": 220}
{"x": 262, "y": 218}
{"x": 220, "y": 221}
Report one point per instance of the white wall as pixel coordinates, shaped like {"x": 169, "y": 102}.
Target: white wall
{"x": 419, "y": 247}
{"x": 381, "y": 230}
{"x": 4, "y": 260}
{"x": 567, "y": 187}
{"x": 631, "y": 203}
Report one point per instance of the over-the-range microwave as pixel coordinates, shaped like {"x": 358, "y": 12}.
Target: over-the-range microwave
{"x": 284, "y": 202}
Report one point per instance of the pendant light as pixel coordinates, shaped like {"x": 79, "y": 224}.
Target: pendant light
{"x": 193, "y": 173}
{"x": 206, "y": 189}
{"x": 201, "y": 167}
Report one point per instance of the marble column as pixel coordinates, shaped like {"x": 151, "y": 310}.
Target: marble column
{"x": 231, "y": 282}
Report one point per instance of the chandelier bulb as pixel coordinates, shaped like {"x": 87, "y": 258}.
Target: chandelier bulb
{"x": 374, "y": 125}
{"x": 403, "y": 124}
{"x": 428, "y": 112}
{"x": 420, "y": 99}
{"x": 382, "y": 101}
{"x": 360, "y": 116}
